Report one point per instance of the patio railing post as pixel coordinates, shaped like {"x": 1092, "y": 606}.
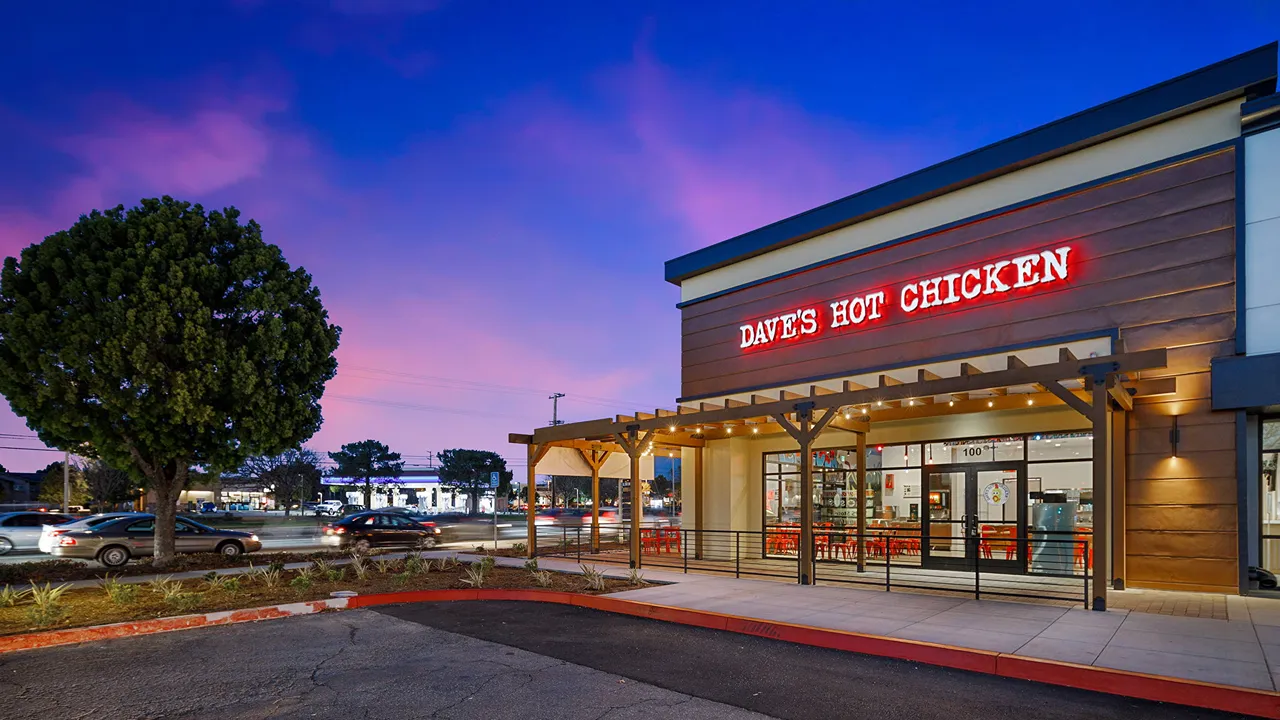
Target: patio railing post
{"x": 977, "y": 570}
{"x": 888, "y": 564}
{"x": 737, "y": 554}
{"x": 1086, "y": 573}
{"x": 684, "y": 549}
{"x": 578, "y": 542}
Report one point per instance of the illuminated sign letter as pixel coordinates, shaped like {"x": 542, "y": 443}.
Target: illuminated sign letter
{"x": 914, "y": 302}
{"x": 748, "y": 336}
{"x": 809, "y": 321}
{"x": 977, "y": 285}
{"x": 993, "y": 278}
{"x": 839, "y": 313}
{"x": 874, "y": 301}
{"x": 788, "y": 326}
{"x": 1027, "y": 276}
{"x": 1055, "y": 264}
{"x": 950, "y": 280}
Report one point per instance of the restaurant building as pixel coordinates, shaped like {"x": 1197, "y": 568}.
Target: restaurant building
{"x": 1054, "y": 356}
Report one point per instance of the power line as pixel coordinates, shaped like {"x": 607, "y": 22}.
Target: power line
{"x": 438, "y": 381}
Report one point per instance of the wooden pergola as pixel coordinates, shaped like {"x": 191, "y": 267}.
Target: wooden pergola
{"x": 1096, "y": 387}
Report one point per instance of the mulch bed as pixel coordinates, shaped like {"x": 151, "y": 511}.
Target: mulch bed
{"x": 92, "y": 606}
{"x": 56, "y": 571}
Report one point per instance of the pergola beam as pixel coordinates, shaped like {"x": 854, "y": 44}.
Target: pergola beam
{"x": 763, "y": 406}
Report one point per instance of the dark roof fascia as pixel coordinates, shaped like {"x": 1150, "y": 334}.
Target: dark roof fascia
{"x": 1249, "y": 74}
{"x": 1260, "y": 114}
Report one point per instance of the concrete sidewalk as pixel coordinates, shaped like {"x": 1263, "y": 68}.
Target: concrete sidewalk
{"x": 1243, "y": 651}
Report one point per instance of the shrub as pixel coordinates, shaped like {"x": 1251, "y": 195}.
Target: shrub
{"x": 277, "y": 565}
{"x": 403, "y": 578}
{"x": 542, "y": 578}
{"x": 10, "y": 597}
{"x": 385, "y": 565}
{"x": 413, "y": 564}
{"x": 185, "y": 602}
{"x": 359, "y": 566}
{"x": 635, "y": 577}
{"x": 270, "y": 577}
{"x": 594, "y": 577}
{"x": 449, "y": 563}
{"x": 231, "y": 584}
{"x": 46, "y": 604}
{"x": 480, "y": 549}
{"x": 531, "y": 565}
{"x": 165, "y": 585}
{"x": 43, "y": 571}
{"x": 214, "y": 581}
{"x": 119, "y": 593}
{"x": 301, "y": 582}
{"x": 520, "y": 548}
{"x": 487, "y": 563}
{"x": 475, "y": 575}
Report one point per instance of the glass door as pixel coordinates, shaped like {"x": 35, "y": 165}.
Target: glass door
{"x": 945, "y": 525}
{"x": 975, "y": 510}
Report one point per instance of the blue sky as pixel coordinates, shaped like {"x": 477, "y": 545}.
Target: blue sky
{"x": 485, "y": 192}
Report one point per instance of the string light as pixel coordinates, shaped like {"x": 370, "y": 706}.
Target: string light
{"x": 878, "y": 403}
{"x": 1029, "y": 401}
{"x": 991, "y": 403}
{"x": 952, "y": 403}
{"x": 755, "y": 431}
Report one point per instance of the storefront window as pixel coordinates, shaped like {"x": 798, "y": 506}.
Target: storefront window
{"x": 1270, "y": 497}
{"x": 982, "y": 450}
{"x": 1060, "y": 446}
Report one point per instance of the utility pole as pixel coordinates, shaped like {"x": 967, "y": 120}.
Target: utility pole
{"x": 66, "y": 482}
{"x": 555, "y": 409}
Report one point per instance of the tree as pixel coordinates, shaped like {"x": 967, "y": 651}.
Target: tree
{"x": 106, "y": 485}
{"x": 3, "y": 470}
{"x": 51, "y": 486}
{"x": 569, "y": 486}
{"x": 160, "y": 339}
{"x": 469, "y": 472}
{"x": 292, "y": 475}
{"x": 365, "y": 461}
{"x": 660, "y": 486}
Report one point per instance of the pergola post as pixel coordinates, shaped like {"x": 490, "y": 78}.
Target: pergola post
{"x": 862, "y": 502}
{"x": 595, "y": 459}
{"x": 535, "y": 453}
{"x": 698, "y": 494}
{"x": 1101, "y": 550}
{"x": 634, "y": 446}
{"x": 805, "y": 434}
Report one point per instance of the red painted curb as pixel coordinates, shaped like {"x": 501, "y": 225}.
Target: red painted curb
{"x": 71, "y": 636}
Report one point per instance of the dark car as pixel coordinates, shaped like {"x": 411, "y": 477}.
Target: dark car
{"x": 371, "y": 529}
{"x": 455, "y": 527}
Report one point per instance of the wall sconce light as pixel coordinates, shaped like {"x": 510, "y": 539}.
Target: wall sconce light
{"x": 1174, "y": 436}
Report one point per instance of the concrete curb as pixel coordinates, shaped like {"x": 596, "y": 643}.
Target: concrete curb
{"x": 1084, "y": 677}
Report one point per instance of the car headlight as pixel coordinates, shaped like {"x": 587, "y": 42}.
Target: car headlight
{"x": 253, "y": 538}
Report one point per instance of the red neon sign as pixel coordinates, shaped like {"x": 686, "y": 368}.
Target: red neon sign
{"x": 992, "y": 279}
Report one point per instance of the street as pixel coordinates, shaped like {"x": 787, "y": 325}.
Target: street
{"x": 515, "y": 660}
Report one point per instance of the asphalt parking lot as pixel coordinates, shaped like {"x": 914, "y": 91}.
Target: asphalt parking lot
{"x": 524, "y": 661}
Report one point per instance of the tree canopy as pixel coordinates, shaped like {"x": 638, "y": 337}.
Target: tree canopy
{"x": 163, "y": 338}
{"x": 51, "y": 486}
{"x": 366, "y": 460}
{"x": 106, "y": 485}
{"x": 469, "y": 472}
{"x": 293, "y": 475}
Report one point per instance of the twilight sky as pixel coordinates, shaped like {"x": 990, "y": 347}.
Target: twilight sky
{"x": 485, "y": 192}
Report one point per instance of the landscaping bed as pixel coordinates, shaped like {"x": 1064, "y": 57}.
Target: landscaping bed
{"x": 59, "y": 570}
{"x": 113, "y": 602}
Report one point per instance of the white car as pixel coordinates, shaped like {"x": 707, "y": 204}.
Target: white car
{"x": 330, "y": 507}
{"x": 49, "y": 534}
{"x": 21, "y": 530}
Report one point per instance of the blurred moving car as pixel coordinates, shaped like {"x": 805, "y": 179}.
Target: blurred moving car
{"x": 114, "y": 543}
{"x": 50, "y": 532}
{"x": 562, "y": 516}
{"x": 21, "y": 530}
{"x": 371, "y": 529}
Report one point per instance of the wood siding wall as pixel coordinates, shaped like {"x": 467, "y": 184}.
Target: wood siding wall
{"x": 1153, "y": 259}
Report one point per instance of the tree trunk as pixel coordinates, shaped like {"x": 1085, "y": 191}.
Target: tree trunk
{"x": 167, "y": 483}
{"x": 368, "y": 494}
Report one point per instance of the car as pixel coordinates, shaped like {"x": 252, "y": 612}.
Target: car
{"x": 208, "y": 507}
{"x": 348, "y": 509}
{"x": 21, "y": 530}
{"x": 457, "y": 526}
{"x": 115, "y": 543}
{"x": 372, "y": 529}
{"x": 329, "y": 507}
{"x": 51, "y": 531}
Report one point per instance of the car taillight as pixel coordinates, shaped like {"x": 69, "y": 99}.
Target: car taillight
{"x": 339, "y": 530}
{"x": 56, "y": 533}
{"x": 65, "y": 541}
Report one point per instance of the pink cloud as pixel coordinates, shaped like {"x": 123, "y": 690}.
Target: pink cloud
{"x": 719, "y": 163}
